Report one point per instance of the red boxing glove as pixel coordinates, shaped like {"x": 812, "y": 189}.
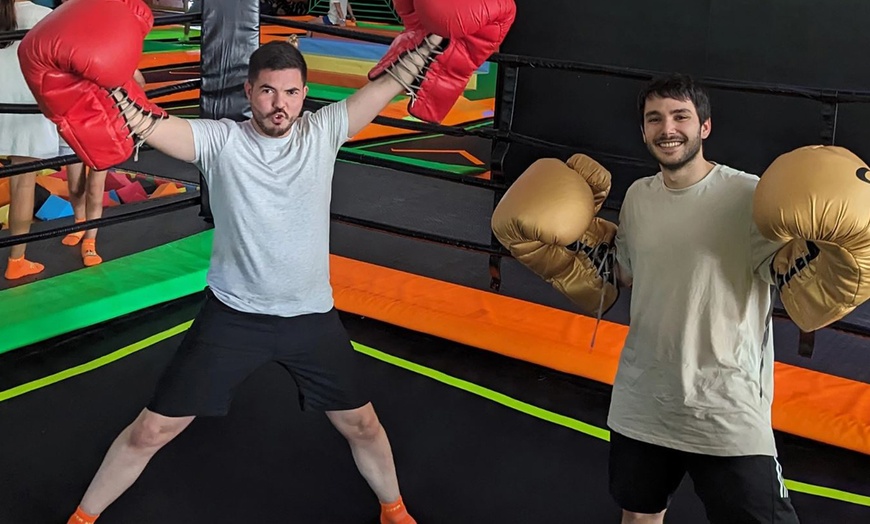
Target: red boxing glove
{"x": 83, "y": 79}
{"x": 471, "y": 30}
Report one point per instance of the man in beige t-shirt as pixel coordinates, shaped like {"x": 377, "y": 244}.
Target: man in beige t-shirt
{"x": 694, "y": 387}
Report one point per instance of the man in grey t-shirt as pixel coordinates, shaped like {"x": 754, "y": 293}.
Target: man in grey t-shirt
{"x": 269, "y": 297}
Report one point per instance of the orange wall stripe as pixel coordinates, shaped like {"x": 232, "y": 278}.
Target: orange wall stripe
{"x": 807, "y": 403}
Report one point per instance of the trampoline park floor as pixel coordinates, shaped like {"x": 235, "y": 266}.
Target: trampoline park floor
{"x": 476, "y": 437}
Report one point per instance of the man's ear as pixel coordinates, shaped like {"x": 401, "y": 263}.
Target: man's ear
{"x": 706, "y": 128}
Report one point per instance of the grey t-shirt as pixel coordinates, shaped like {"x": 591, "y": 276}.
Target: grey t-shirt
{"x": 696, "y": 371}
{"x": 270, "y": 198}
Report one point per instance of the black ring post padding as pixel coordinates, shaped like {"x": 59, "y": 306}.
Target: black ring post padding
{"x": 175, "y": 204}
{"x": 325, "y": 29}
{"x": 419, "y": 235}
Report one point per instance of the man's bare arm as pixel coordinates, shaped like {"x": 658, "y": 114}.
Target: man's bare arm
{"x": 364, "y": 105}
{"x": 173, "y": 136}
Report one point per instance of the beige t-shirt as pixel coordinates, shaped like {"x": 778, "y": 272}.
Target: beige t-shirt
{"x": 696, "y": 372}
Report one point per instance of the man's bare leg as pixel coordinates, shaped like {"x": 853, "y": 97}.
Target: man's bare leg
{"x": 127, "y": 457}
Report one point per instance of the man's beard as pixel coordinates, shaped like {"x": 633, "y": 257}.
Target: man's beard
{"x": 691, "y": 151}
{"x": 267, "y": 127}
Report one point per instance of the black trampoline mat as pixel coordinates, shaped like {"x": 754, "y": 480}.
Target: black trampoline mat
{"x": 460, "y": 457}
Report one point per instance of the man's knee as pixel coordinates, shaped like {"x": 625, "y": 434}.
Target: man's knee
{"x": 629, "y": 517}
{"x": 151, "y": 431}
{"x": 357, "y": 424}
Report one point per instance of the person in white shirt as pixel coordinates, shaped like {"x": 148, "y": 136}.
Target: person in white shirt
{"x": 23, "y": 138}
{"x": 339, "y": 13}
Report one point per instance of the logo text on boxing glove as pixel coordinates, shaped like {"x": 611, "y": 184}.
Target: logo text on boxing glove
{"x": 862, "y": 174}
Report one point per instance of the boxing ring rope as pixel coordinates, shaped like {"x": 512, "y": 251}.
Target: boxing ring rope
{"x": 167, "y": 205}
{"x": 32, "y": 109}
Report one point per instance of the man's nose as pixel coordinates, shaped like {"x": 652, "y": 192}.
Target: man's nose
{"x": 280, "y": 102}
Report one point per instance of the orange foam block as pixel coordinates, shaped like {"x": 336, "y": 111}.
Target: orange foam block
{"x": 54, "y": 185}
{"x": 166, "y": 189}
{"x": 132, "y": 193}
{"x": 4, "y": 191}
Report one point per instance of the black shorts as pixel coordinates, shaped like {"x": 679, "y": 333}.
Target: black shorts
{"x": 224, "y": 346}
{"x": 734, "y": 490}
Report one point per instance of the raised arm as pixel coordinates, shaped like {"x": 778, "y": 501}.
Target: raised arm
{"x": 174, "y": 137}
{"x": 364, "y": 105}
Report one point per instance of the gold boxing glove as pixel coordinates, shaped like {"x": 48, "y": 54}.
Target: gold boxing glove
{"x": 547, "y": 221}
{"x": 816, "y": 199}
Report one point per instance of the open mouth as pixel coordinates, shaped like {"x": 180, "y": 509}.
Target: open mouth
{"x": 670, "y": 144}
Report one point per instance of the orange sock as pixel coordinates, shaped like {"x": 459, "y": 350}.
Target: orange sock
{"x": 395, "y": 513}
{"x": 80, "y": 517}
{"x": 21, "y": 267}
{"x": 74, "y": 238}
{"x": 89, "y": 252}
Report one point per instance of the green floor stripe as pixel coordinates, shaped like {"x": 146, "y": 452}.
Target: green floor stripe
{"x": 488, "y": 394}
{"x": 172, "y": 33}
{"x": 494, "y": 396}
{"x": 828, "y": 493}
{"x": 94, "y": 364}
{"x": 588, "y": 429}
{"x": 383, "y": 27}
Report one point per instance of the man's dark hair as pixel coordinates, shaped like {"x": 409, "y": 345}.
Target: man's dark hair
{"x": 679, "y": 87}
{"x": 276, "y": 55}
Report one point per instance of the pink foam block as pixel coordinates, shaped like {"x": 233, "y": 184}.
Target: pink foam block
{"x": 115, "y": 180}
{"x": 132, "y": 193}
